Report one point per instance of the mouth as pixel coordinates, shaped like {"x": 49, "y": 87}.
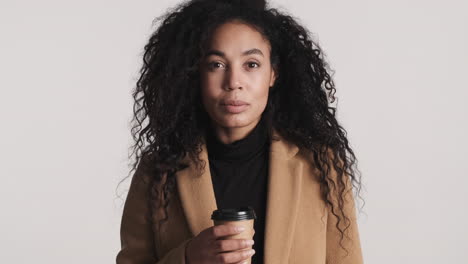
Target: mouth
{"x": 233, "y": 102}
{"x": 234, "y": 106}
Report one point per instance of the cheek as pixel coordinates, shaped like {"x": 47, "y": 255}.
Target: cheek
{"x": 209, "y": 97}
{"x": 209, "y": 85}
{"x": 263, "y": 86}
{"x": 261, "y": 95}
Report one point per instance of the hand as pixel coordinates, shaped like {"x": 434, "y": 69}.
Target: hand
{"x": 210, "y": 247}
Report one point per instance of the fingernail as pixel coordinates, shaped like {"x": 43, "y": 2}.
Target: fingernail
{"x": 250, "y": 242}
{"x": 251, "y": 252}
{"x": 240, "y": 228}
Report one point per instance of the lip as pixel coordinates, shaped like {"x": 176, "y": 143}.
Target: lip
{"x": 233, "y": 102}
{"x": 234, "y": 106}
{"x": 235, "y": 109}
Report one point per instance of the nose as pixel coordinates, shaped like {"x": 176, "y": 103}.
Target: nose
{"x": 234, "y": 79}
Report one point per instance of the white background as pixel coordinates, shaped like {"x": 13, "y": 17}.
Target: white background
{"x": 68, "y": 67}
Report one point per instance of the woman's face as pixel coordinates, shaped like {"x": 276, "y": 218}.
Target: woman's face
{"x": 236, "y": 75}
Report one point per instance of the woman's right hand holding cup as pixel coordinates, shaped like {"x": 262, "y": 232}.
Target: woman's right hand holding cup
{"x": 209, "y": 247}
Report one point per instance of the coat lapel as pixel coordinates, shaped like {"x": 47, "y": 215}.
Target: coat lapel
{"x": 197, "y": 194}
{"x": 285, "y": 176}
{"x": 284, "y": 179}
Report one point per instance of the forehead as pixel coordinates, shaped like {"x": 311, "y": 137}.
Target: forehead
{"x": 235, "y": 37}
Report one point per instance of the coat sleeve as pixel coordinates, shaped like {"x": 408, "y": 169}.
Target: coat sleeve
{"x": 136, "y": 233}
{"x": 335, "y": 254}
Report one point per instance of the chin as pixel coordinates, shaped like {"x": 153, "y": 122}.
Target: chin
{"x": 233, "y": 121}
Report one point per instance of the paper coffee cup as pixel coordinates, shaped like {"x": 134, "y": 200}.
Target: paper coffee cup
{"x": 241, "y": 216}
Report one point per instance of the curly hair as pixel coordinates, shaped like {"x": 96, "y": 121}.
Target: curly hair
{"x": 169, "y": 119}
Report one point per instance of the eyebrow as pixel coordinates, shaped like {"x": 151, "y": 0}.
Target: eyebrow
{"x": 245, "y": 53}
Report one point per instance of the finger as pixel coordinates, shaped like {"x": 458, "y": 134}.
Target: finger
{"x": 242, "y": 262}
{"x": 224, "y": 245}
{"x": 234, "y": 256}
{"x": 223, "y": 230}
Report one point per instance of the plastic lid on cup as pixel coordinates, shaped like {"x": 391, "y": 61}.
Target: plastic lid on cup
{"x": 234, "y": 214}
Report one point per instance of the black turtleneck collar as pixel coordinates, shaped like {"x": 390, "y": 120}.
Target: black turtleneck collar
{"x": 239, "y": 150}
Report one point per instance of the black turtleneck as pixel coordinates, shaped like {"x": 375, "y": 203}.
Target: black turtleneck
{"x": 239, "y": 173}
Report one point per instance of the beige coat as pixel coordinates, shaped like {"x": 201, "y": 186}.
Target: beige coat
{"x": 299, "y": 229}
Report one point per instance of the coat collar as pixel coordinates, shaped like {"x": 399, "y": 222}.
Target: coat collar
{"x": 284, "y": 180}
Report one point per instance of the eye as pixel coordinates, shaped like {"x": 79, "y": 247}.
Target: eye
{"x": 214, "y": 64}
{"x": 250, "y": 63}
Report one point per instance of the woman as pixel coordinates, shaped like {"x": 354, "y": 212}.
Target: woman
{"x": 232, "y": 103}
